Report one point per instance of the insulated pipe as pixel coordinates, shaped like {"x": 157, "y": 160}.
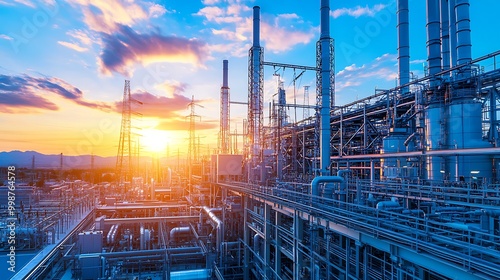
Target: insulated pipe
{"x": 179, "y": 230}
{"x": 403, "y": 43}
{"x": 323, "y": 179}
{"x": 326, "y": 87}
{"x": 219, "y": 223}
{"x": 433, "y": 41}
{"x": 445, "y": 34}
{"x": 256, "y": 244}
{"x": 464, "y": 53}
{"x": 387, "y": 204}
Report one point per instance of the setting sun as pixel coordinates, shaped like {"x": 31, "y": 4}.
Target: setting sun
{"x": 153, "y": 140}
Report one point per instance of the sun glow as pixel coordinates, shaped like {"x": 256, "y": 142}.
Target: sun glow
{"x": 153, "y": 140}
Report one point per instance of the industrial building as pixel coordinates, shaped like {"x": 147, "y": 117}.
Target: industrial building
{"x": 402, "y": 184}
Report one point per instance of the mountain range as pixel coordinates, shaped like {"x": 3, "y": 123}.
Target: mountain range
{"x": 25, "y": 159}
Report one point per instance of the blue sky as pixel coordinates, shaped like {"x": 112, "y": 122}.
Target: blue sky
{"x": 64, "y": 63}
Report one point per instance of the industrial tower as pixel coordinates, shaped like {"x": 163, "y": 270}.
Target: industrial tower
{"x": 124, "y": 157}
{"x": 224, "y": 143}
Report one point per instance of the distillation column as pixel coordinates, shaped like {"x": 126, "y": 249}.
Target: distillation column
{"x": 434, "y": 129}
{"x": 465, "y": 111}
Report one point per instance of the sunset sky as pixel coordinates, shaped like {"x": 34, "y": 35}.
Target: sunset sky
{"x": 63, "y": 64}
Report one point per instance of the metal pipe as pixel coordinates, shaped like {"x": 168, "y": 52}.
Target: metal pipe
{"x": 323, "y": 179}
{"x": 219, "y": 223}
{"x": 382, "y": 205}
{"x": 433, "y": 41}
{"x": 179, "y": 230}
{"x": 464, "y": 53}
{"x": 403, "y": 43}
{"x": 326, "y": 87}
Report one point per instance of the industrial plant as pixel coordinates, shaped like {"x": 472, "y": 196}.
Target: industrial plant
{"x": 402, "y": 184}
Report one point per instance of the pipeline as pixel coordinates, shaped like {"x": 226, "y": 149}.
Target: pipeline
{"x": 323, "y": 179}
{"x": 179, "y": 230}
{"x": 219, "y": 223}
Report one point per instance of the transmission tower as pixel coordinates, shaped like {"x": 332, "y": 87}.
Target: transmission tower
{"x": 192, "y": 155}
{"x": 124, "y": 159}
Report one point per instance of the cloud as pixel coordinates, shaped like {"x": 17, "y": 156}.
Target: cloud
{"x": 127, "y": 47}
{"x": 80, "y": 36}
{"x": 380, "y": 69}
{"x": 72, "y": 46}
{"x": 108, "y": 15}
{"x": 156, "y": 10}
{"x": 418, "y": 61}
{"x": 279, "y": 33}
{"x": 358, "y": 11}
{"x": 279, "y": 39}
{"x": 27, "y": 93}
{"x": 183, "y": 125}
{"x": 172, "y": 88}
{"x": 5, "y": 37}
{"x": 164, "y": 107}
{"x": 210, "y": 2}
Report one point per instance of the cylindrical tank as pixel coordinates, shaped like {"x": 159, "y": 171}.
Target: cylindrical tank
{"x": 394, "y": 143}
{"x": 433, "y": 135}
{"x": 465, "y": 132}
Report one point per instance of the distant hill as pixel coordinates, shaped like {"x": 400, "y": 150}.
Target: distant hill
{"x": 24, "y": 159}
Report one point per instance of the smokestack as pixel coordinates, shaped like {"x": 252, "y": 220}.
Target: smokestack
{"x": 255, "y": 98}
{"x": 326, "y": 87}
{"x": 224, "y": 107}
{"x": 464, "y": 53}
{"x": 256, "y": 26}
{"x": 224, "y": 73}
{"x": 445, "y": 34}
{"x": 403, "y": 43}
{"x": 433, "y": 40}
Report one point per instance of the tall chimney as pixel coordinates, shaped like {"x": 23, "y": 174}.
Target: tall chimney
{"x": 403, "y": 43}
{"x": 433, "y": 40}
{"x": 256, "y": 26}
{"x": 224, "y": 107}
{"x": 326, "y": 86}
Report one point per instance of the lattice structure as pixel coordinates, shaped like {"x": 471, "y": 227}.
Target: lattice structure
{"x": 255, "y": 104}
{"x": 124, "y": 157}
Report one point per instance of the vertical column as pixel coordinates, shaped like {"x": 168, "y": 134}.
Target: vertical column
{"x": 246, "y": 239}
{"x": 267, "y": 240}
{"x": 433, "y": 41}
{"x": 403, "y": 43}
{"x": 325, "y": 44}
{"x": 298, "y": 233}
{"x": 277, "y": 252}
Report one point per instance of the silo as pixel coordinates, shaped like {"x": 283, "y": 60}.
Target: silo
{"x": 465, "y": 132}
{"x": 433, "y": 128}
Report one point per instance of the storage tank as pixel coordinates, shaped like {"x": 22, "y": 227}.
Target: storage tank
{"x": 465, "y": 132}
{"x": 433, "y": 127}
{"x": 394, "y": 143}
